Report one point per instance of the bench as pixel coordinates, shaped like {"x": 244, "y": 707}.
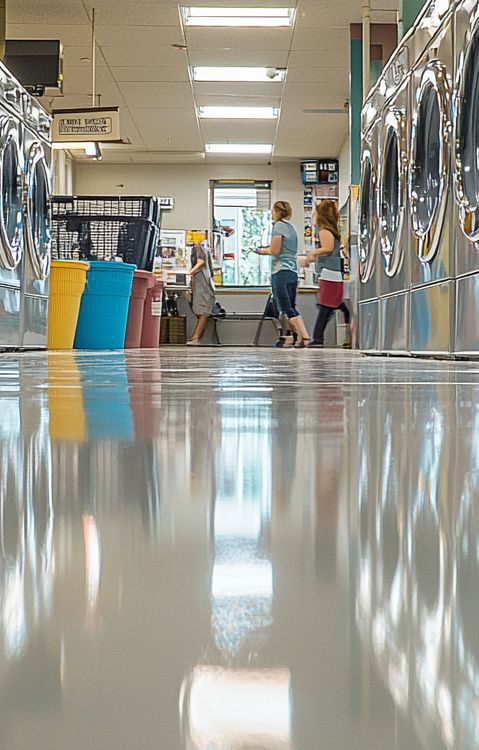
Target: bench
{"x": 262, "y": 318}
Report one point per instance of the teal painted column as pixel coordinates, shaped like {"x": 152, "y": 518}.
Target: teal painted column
{"x": 355, "y": 105}
{"x": 410, "y": 11}
{"x": 375, "y": 71}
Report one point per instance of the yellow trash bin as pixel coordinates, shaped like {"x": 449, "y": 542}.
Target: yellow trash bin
{"x": 67, "y": 282}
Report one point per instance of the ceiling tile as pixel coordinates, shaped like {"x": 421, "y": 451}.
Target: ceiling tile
{"x": 143, "y": 56}
{"x": 74, "y": 34}
{"x": 157, "y": 94}
{"x": 27, "y": 11}
{"x": 239, "y": 39}
{"x": 321, "y": 135}
{"x": 333, "y": 40}
{"x": 301, "y": 95}
{"x": 318, "y": 76}
{"x": 139, "y": 13}
{"x": 74, "y": 57}
{"x": 127, "y": 37}
{"x": 226, "y": 101}
{"x": 168, "y": 130}
{"x": 260, "y": 57}
{"x": 178, "y": 73}
{"x": 235, "y": 91}
{"x": 238, "y": 131}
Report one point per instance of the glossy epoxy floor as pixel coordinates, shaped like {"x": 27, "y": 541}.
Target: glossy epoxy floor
{"x": 238, "y": 550}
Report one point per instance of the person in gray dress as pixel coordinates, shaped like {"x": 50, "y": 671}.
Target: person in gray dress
{"x": 202, "y": 289}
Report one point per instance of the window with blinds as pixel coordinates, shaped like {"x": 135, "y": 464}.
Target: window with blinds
{"x": 242, "y": 222}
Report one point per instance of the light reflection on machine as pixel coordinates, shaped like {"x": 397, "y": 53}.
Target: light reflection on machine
{"x": 26, "y": 522}
{"x": 404, "y": 607}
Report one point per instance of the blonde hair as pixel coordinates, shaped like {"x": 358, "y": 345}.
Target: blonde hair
{"x": 283, "y": 209}
{"x": 328, "y": 217}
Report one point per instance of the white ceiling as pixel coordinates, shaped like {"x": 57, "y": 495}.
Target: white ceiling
{"x": 139, "y": 70}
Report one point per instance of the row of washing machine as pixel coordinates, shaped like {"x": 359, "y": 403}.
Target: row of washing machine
{"x": 419, "y": 194}
{"x": 25, "y": 234}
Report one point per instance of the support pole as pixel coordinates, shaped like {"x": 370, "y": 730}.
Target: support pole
{"x": 366, "y": 17}
{"x": 3, "y": 27}
{"x": 93, "y": 58}
{"x": 355, "y": 104}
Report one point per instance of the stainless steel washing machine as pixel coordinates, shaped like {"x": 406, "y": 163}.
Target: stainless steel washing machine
{"x": 368, "y": 226}
{"x": 466, "y": 177}
{"x": 11, "y": 214}
{"x": 37, "y": 224}
{"x": 430, "y": 185}
{"x": 393, "y": 209}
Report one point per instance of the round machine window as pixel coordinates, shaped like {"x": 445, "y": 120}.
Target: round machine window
{"x": 426, "y": 171}
{"x": 366, "y": 209}
{"x": 468, "y": 129}
{"x": 390, "y": 207}
{"x": 39, "y": 212}
{"x": 11, "y": 195}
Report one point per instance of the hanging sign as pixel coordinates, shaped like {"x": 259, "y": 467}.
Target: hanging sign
{"x": 100, "y": 124}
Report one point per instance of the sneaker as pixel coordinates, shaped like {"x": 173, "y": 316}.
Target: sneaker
{"x": 315, "y": 345}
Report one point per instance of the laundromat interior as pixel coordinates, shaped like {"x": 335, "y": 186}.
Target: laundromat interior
{"x": 239, "y": 384}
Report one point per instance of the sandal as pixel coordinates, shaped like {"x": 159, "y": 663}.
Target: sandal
{"x": 302, "y": 344}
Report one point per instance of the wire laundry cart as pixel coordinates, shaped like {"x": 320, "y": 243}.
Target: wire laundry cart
{"x": 116, "y": 228}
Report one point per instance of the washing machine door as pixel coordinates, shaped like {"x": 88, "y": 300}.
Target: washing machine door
{"x": 11, "y": 208}
{"x": 392, "y": 198}
{"x": 429, "y": 170}
{"x": 367, "y": 216}
{"x": 466, "y": 137}
{"x": 38, "y": 214}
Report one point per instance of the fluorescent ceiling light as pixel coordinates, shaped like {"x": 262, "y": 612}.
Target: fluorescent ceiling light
{"x": 239, "y": 148}
{"x": 207, "y": 73}
{"x": 90, "y": 148}
{"x": 238, "y": 16}
{"x": 238, "y": 113}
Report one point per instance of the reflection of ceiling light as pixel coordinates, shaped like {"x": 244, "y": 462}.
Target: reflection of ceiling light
{"x": 239, "y": 708}
{"x": 90, "y": 148}
{"x": 239, "y": 148}
{"x": 235, "y": 74}
{"x": 238, "y": 113}
{"x": 238, "y": 16}
{"x": 242, "y": 579}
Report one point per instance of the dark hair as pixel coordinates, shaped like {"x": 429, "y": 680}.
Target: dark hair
{"x": 328, "y": 217}
{"x": 284, "y": 209}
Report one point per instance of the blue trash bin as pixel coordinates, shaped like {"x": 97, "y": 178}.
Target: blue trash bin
{"x": 104, "y": 306}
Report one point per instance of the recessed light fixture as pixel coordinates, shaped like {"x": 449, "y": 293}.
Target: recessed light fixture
{"x": 228, "y": 16}
{"x": 91, "y": 148}
{"x": 239, "y": 148}
{"x": 238, "y": 113}
{"x": 260, "y": 75}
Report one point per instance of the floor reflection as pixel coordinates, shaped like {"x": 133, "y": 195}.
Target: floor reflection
{"x": 280, "y": 555}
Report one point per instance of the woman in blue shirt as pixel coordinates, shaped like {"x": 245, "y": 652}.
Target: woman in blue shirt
{"x": 284, "y": 271}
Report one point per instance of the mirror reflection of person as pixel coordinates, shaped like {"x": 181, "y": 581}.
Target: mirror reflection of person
{"x": 202, "y": 289}
{"x": 284, "y": 272}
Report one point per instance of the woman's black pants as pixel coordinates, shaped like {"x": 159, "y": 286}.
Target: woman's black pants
{"x": 324, "y": 316}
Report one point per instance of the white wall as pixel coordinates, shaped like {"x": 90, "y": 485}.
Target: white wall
{"x": 188, "y": 184}
{"x": 344, "y": 171}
